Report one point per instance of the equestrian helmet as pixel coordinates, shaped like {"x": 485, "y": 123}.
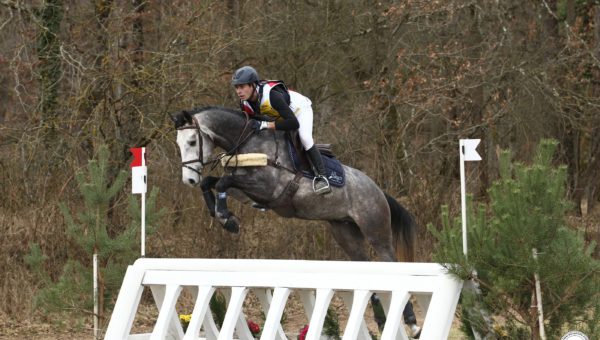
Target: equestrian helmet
{"x": 244, "y": 75}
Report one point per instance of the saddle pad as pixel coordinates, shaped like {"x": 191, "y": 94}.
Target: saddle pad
{"x": 245, "y": 159}
{"x": 333, "y": 167}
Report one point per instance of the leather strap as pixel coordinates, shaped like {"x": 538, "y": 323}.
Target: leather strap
{"x": 276, "y": 164}
{"x": 285, "y": 198}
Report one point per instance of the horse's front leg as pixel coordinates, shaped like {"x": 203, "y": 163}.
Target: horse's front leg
{"x": 228, "y": 220}
{"x": 207, "y": 184}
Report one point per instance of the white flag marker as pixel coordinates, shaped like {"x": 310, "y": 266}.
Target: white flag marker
{"x": 469, "y": 147}
{"x": 468, "y": 152}
{"x": 139, "y": 173}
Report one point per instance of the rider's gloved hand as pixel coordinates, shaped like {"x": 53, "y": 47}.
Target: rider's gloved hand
{"x": 254, "y": 124}
{"x": 258, "y": 125}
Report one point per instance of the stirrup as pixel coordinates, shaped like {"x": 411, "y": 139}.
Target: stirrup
{"x": 324, "y": 190}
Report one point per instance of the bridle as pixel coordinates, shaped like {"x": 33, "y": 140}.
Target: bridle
{"x": 213, "y": 162}
{"x": 200, "y": 159}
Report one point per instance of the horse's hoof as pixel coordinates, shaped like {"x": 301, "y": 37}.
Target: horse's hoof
{"x": 416, "y": 331}
{"x": 232, "y": 225}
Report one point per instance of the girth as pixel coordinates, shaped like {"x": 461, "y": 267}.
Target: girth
{"x": 285, "y": 197}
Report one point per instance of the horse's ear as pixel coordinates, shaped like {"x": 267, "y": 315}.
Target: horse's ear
{"x": 188, "y": 116}
{"x": 173, "y": 118}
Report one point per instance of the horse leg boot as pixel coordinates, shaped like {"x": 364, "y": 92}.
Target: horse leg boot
{"x": 207, "y": 184}
{"x": 411, "y": 320}
{"x": 409, "y": 316}
{"x": 320, "y": 182}
{"x": 228, "y": 220}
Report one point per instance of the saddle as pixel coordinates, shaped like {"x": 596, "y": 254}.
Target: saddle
{"x": 334, "y": 168}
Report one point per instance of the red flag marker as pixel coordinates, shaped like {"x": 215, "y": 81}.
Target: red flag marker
{"x": 138, "y": 157}
{"x": 138, "y": 171}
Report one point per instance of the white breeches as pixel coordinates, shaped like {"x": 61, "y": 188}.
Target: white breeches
{"x": 305, "y": 119}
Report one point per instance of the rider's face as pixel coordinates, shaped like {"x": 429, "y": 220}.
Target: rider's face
{"x": 244, "y": 91}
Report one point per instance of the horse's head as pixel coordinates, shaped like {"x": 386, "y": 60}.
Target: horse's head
{"x": 194, "y": 146}
{"x": 198, "y": 133}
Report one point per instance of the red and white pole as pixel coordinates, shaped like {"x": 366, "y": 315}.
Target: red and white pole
{"x": 139, "y": 173}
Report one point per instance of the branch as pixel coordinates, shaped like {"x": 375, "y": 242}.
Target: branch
{"x": 7, "y": 21}
{"x": 513, "y": 310}
{"x": 570, "y": 291}
{"x": 568, "y": 27}
{"x": 17, "y": 5}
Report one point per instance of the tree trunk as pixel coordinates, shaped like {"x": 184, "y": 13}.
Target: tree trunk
{"x": 48, "y": 49}
{"x": 139, "y": 6}
{"x": 130, "y": 132}
{"x": 101, "y": 289}
{"x": 586, "y": 191}
{"x": 102, "y": 9}
{"x": 94, "y": 101}
{"x": 571, "y": 15}
{"x": 477, "y": 97}
{"x": 232, "y": 57}
{"x": 533, "y": 317}
{"x": 550, "y": 23}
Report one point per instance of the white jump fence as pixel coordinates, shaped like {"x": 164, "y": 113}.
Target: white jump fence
{"x": 272, "y": 281}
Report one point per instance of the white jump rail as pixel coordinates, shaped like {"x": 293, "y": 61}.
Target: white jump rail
{"x": 272, "y": 281}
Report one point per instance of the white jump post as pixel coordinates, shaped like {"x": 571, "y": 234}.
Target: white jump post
{"x": 139, "y": 173}
{"x": 95, "y": 286}
{"x": 467, "y": 151}
{"x": 272, "y": 281}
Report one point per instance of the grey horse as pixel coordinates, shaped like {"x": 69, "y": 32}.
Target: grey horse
{"x": 358, "y": 212}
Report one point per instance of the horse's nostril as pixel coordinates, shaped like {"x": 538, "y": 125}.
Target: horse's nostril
{"x": 191, "y": 181}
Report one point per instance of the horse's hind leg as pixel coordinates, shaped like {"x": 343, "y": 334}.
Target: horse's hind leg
{"x": 378, "y": 233}
{"x": 375, "y": 223}
{"x": 349, "y": 237}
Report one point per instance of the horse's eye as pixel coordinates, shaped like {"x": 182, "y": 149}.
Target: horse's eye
{"x": 193, "y": 143}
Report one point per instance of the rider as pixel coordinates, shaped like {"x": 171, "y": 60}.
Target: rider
{"x": 289, "y": 109}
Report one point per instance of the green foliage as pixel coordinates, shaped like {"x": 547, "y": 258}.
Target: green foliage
{"x": 218, "y": 306}
{"x": 331, "y": 325}
{"x": 527, "y": 210}
{"x": 35, "y": 261}
{"x": 72, "y": 291}
{"x": 92, "y": 231}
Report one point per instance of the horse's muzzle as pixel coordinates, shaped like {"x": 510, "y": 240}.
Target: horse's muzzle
{"x": 191, "y": 181}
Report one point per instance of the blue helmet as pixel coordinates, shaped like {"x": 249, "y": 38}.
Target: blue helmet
{"x": 245, "y": 75}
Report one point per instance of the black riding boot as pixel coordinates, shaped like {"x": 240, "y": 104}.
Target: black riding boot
{"x": 320, "y": 182}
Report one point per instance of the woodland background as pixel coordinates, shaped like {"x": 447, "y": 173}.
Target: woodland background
{"x": 394, "y": 85}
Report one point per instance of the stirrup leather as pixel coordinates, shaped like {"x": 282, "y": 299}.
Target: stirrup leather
{"x": 323, "y": 190}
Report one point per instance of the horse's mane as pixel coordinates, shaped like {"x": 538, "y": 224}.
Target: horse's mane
{"x": 183, "y": 117}
{"x": 215, "y": 107}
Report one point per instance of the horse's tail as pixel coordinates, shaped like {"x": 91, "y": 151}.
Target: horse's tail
{"x": 404, "y": 229}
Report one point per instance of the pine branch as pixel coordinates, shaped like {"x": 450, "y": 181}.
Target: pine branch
{"x": 570, "y": 292}
{"x": 506, "y": 299}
